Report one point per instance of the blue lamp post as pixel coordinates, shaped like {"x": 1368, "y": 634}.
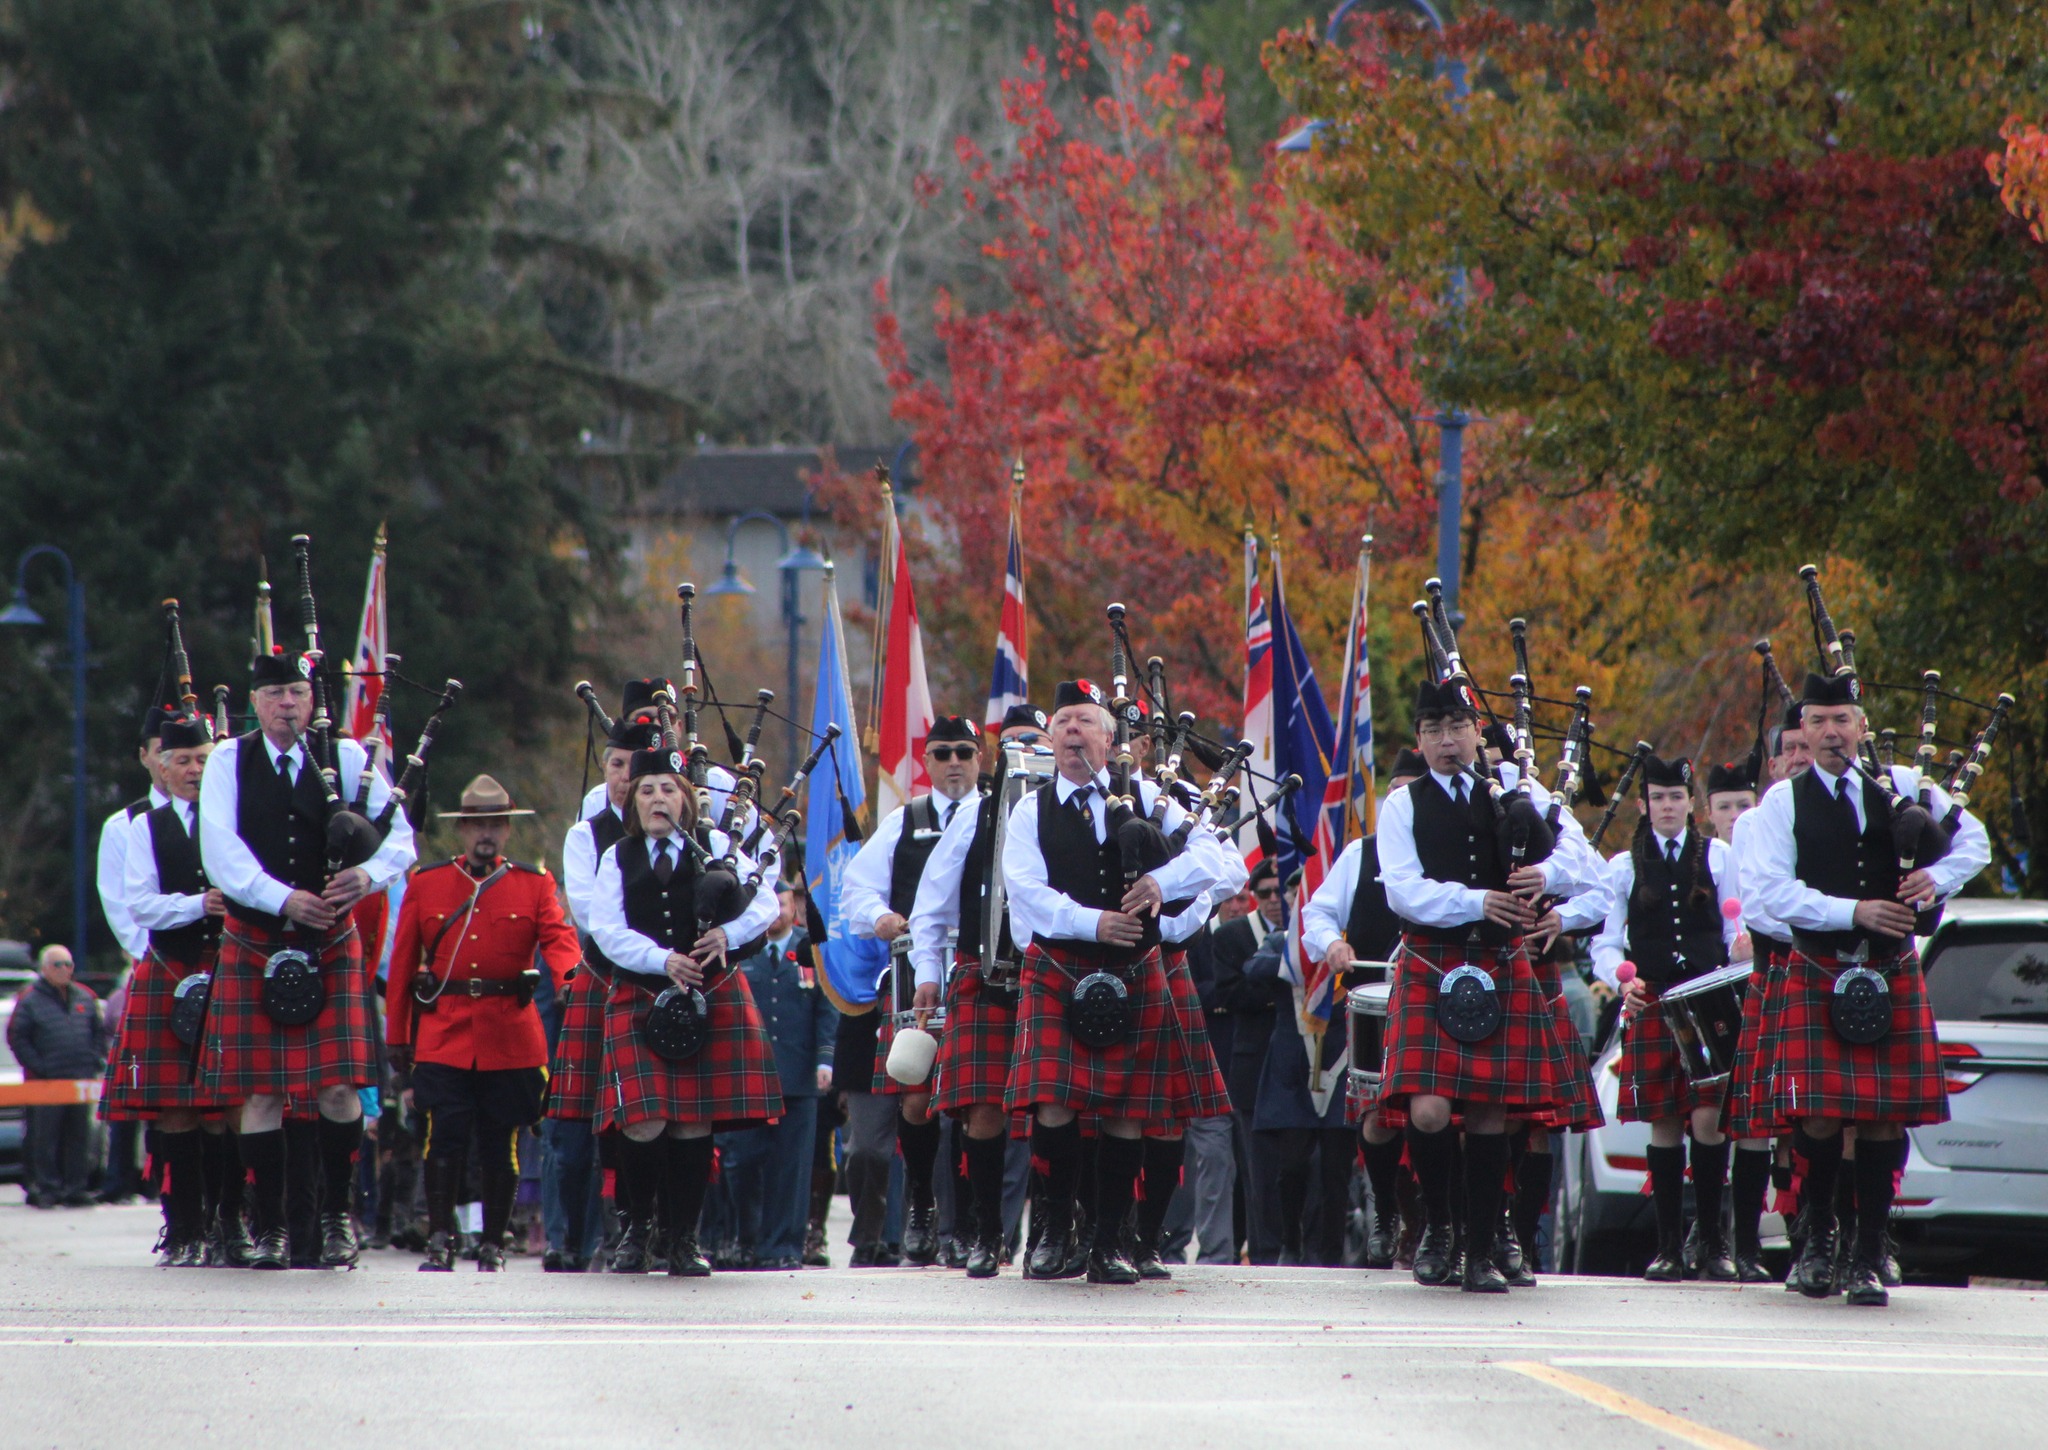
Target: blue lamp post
{"x": 1450, "y": 422}
{"x": 21, "y": 615}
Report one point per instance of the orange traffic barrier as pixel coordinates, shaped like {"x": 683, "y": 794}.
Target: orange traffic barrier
{"x": 49, "y": 1092}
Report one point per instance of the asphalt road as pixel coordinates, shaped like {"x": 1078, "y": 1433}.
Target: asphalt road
{"x": 99, "y": 1348}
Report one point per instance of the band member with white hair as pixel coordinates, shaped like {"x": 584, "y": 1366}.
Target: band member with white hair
{"x": 685, "y": 1051}
{"x": 1856, "y": 1041}
{"x": 1097, "y": 1027}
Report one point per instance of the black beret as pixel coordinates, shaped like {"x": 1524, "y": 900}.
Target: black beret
{"x": 656, "y": 762}
{"x": 1434, "y": 701}
{"x": 1658, "y": 771}
{"x": 185, "y": 731}
{"x": 153, "y": 723}
{"x": 1498, "y": 740}
{"x": 639, "y": 695}
{"x": 1024, "y": 717}
{"x": 1731, "y": 775}
{"x": 1408, "y": 761}
{"x": 1266, "y": 870}
{"x": 952, "y": 727}
{"x": 1842, "y": 689}
{"x": 279, "y": 668}
{"x": 627, "y": 735}
{"x": 1792, "y": 720}
{"x": 1077, "y": 692}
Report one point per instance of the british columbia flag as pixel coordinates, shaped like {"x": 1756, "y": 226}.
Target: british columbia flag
{"x": 1010, "y": 683}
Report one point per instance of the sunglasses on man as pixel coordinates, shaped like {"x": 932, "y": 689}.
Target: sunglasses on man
{"x": 951, "y": 752}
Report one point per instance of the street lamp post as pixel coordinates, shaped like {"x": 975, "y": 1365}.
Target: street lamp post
{"x": 1450, "y": 422}
{"x": 791, "y": 565}
{"x": 20, "y": 614}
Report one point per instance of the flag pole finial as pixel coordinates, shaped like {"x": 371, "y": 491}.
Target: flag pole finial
{"x": 378, "y": 544}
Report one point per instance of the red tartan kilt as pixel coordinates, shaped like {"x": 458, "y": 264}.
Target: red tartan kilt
{"x": 1515, "y": 1068}
{"x": 731, "y": 1084}
{"x": 149, "y": 1072}
{"x": 247, "y": 1053}
{"x": 1817, "y": 1075}
{"x": 1747, "y": 1111}
{"x": 1194, "y": 1024}
{"x": 1580, "y": 1110}
{"x": 1158, "y": 1075}
{"x": 978, "y": 1043}
{"x": 579, "y": 1049}
{"x": 1653, "y": 1083}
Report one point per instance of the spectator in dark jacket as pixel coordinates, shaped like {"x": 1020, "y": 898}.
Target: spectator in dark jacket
{"x": 56, "y": 1033}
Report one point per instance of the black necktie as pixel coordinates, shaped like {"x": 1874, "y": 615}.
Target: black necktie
{"x": 191, "y": 814}
{"x": 284, "y": 769}
{"x": 1079, "y": 800}
{"x": 1847, "y": 805}
{"x": 664, "y": 868}
{"x": 1671, "y": 853}
{"x": 1458, "y": 788}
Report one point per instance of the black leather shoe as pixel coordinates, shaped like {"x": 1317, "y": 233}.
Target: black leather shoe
{"x": 815, "y": 1256}
{"x": 338, "y": 1247}
{"x": 236, "y": 1251}
{"x": 1814, "y": 1274}
{"x": 1379, "y": 1243}
{"x": 440, "y": 1257}
{"x": 1510, "y": 1258}
{"x": 270, "y": 1251}
{"x": 191, "y": 1254}
{"x": 684, "y": 1262}
{"x": 1433, "y": 1255}
{"x": 1483, "y": 1275}
{"x": 1109, "y": 1266}
{"x": 983, "y": 1259}
{"x": 920, "y": 1235}
{"x": 863, "y": 1256}
{"x": 1669, "y": 1265}
{"x": 1889, "y": 1273}
{"x": 630, "y": 1257}
{"x": 552, "y": 1262}
{"x": 490, "y": 1259}
{"x": 952, "y": 1253}
{"x": 1749, "y": 1269}
{"x": 1715, "y": 1265}
{"x": 1695, "y": 1250}
{"x": 1049, "y": 1259}
{"x": 1862, "y": 1285}
{"x": 1145, "y": 1258}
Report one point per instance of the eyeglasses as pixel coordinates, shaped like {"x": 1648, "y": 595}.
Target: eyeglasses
{"x": 1266, "y": 893}
{"x": 1023, "y": 737}
{"x": 950, "y": 752}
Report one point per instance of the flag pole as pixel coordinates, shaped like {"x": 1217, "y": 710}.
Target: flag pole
{"x": 1362, "y": 764}
{"x": 870, "y": 738}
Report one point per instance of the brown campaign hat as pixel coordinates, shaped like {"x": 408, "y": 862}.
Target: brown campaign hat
{"x": 484, "y": 797}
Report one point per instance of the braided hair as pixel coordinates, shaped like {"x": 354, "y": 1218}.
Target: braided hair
{"x": 1692, "y": 859}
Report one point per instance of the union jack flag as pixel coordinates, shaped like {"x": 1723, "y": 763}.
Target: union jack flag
{"x": 1258, "y": 701}
{"x": 1010, "y": 683}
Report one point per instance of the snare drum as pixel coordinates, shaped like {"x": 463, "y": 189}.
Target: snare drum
{"x": 1365, "y": 1010}
{"x": 1704, "y": 1017}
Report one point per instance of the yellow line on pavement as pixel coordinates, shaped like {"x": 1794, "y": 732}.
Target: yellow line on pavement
{"x": 1641, "y": 1411}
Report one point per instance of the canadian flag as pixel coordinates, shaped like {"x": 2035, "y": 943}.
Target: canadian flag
{"x": 366, "y": 669}
{"x": 905, "y": 713}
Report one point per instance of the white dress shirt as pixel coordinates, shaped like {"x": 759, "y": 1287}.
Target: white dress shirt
{"x": 1741, "y": 851}
{"x": 579, "y": 864}
{"x": 1036, "y": 909}
{"x": 1610, "y": 947}
{"x": 116, "y": 834}
{"x": 1780, "y": 893}
{"x": 936, "y": 913}
{"x": 1445, "y": 904}
{"x": 864, "y": 890}
{"x": 633, "y": 952}
{"x": 153, "y": 908}
{"x": 1328, "y": 911}
{"x": 1177, "y": 929}
{"x": 232, "y": 866}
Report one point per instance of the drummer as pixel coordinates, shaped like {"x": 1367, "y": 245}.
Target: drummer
{"x": 1669, "y": 894}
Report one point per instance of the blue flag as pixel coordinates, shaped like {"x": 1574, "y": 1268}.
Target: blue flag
{"x": 849, "y": 966}
{"x": 1304, "y": 739}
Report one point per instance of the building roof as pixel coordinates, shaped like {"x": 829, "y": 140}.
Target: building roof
{"x": 722, "y": 481}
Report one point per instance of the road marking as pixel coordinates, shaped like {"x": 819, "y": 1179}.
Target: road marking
{"x": 1746, "y": 1366}
{"x": 1641, "y": 1411}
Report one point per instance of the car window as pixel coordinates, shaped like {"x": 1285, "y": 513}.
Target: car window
{"x": 1989, "y": 974}
{"x": 7, "y": 1061}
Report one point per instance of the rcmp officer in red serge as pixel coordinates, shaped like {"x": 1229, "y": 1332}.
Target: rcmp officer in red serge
{"x": 152, "y": 1075}
{"x": 1064, "y": 873}
{"x": 1824, "y": 861}
{"x": 459, "y": 1013}
{"x": 263, "y": 837}
{"x": 644, "y": 918}
{"x": 1446, "y": 878}
{"x": 1666, "y": 896}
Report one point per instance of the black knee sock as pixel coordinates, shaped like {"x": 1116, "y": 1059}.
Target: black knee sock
{"x": 1749, "y": 1176}
{"x": 1877, "y": 1165}
{"x": 1382, "y": 1164}
{"x": 1823, "y": 1158}
{"x": 1157, "y": 1180}
{"x": 1056, "y": 1159}
{"x": 1117, "y": 1161}
{"x": 985, "y": 1164}
{"x": 1486, "y": 1168}
{"x": 264, "y": 1153}
{"x": 339, "y": 1143}
{"x": 212, "y": 1173}
{"x": 1845, "y": 1188}
{"x": 1430, "y": 1155}
{"x": 440, "y": 1173}
{"x": 1667, "y": 1190}
{"x": 634, "y": 1181}
{"x": 184, "y": 1183}
{"x": 920, "y": 1145}
{"x": 233, "y": 1174}
{"x": 1709, "y": 1178}
{"x": 686, "y": 1176}
{"x": 1532, "y": 1197}
{"x": 499, "y": 1151}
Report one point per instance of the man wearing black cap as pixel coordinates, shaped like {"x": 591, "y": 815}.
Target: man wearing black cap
{"x": 150, "y": 1077}
{"x": 1827, "y": 865}
{"x": 1348, "y": 920}
{"x": 877, "y": 897}
{"x": 263, "y": 812}
{"x": 1666, "y": 897}
{"x": 119, "y": 830}
{"x": 569, "y": 1162}
{"x": 1731, "y": 790}
{"x": 1094, "y": 946}
{"x": 948, "y": 924}
{"x": 1467, "y": 1021}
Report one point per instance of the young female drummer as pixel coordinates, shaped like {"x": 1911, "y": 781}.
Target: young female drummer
{"x": 1667, "y": 891}
{"x": 643, "y": 917}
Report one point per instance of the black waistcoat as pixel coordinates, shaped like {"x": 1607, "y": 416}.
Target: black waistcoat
{"x": 1835, "y": 861}
{"x": 1372, "y": 930}
{"x": 914, "y": 847}
{"x": 179, "y": 872}
{"x": 136, "y": 807}
{"x": 974, "y": 883}
{"x": 606, "y": 831}
{"x": 1666, "y": 923}
{"x": 284, "y": 828}
{"x": 1461, "y": 846}
{"x": 1088, "y": 870}
{"x": 666, "y": 915}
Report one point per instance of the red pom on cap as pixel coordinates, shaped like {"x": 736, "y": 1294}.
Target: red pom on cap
{"x": 1625, "y": 973}
{"x": 1732, "y": 909}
